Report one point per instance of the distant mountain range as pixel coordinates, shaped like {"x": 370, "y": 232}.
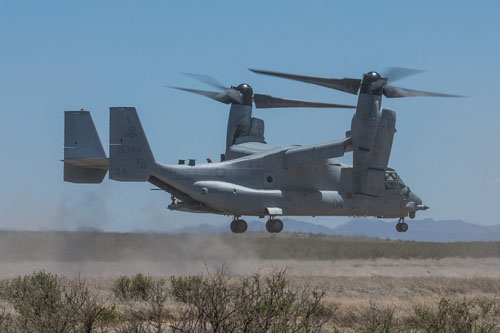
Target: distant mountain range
{"x": 428, "y": 230}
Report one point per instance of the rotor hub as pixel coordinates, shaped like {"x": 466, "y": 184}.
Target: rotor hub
{"x": 247, "y": 93}
{"x": 373, "y": 83}
{"x": 373, "y": 76}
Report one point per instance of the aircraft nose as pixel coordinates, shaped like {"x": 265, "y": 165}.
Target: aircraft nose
{"x": 415, "y": 198}
{"x": 414, "y": 204}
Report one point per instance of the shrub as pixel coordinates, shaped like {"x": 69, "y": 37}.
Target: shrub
{"x": 138, "y": 287}
{"x": 271, "y": 303}
{"x": 377, "y": 319}
{"x": 121, "y": 288}
{"x": 145, "y": 300}
{"x": 3, "y": 317}
{"x": 46, "y": 303}
{"x": 131, "y": 320}
{"x": 40, "y": 301}
{"x": 206, "y": 303}
{"x": 252, "y": 304}
{"x": 475, "y": 315}
{"x": 89, "y": 310}
{"x": 157, "y": 313}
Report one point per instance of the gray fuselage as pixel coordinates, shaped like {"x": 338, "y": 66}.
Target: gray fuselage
{"x": 259, "y": 185}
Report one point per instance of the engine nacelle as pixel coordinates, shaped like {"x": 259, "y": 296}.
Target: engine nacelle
{"x": 370, "y": 160}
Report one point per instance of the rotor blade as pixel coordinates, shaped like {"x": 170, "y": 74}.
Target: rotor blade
{"x": 207, "y": 80}
{"x": 222, "y": 97}
{"x": 394, "y": 92}
{"x": 268, "y": 102}
{"x": 347, "y": 85}
{"x": 397, "y": 73}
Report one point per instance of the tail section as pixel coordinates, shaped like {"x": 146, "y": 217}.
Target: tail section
{"x": 130, "y": 157}
{"x": 84, "y": 157}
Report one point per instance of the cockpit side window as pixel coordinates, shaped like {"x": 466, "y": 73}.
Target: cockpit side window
{"x": 393, "y": 181}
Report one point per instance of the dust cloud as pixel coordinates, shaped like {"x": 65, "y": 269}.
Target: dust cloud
{"x": 449, "y": 267}
{"x": 111, "y": 254}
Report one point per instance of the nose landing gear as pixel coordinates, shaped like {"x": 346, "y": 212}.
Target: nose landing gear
{"x": 238, "y": 226}
{"x": 274, "y": 225}
{"x": 401, "y": 226}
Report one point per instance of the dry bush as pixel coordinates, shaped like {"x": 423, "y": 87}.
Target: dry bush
{"x": 158, "y": 315}
{"x": 251, "y": 304}
{"x": 377, "y": 319}
{"x": 91, "y": 313}
{"x": 4, "y": 317}
{"x": 467, "y": 315}
{"x": 262, "y": 302}
{"x": 271, "y": 303}
{"x": 205, "y": 303}
{"x": 44, "y": 302}
{"x": 144, "y": 301}
{"x": 132, "y": 319}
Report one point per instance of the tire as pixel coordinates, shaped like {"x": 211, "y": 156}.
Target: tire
{"x": 278, "y": 225}
{"x": 234, "y": 226}
{"x": 269, "y": 224}
{"x": 404, "y": 227}
{"x": 274, "y": 226}
{"x": 242, "y": 226}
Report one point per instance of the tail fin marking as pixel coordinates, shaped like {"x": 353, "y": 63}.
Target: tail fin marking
{"x": 131, "y": 158}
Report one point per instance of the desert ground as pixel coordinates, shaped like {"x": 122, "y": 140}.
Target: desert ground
{"x": 368, "y": 282}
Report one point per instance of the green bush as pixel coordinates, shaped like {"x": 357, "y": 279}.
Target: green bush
{"x": 44, "y": 302}
{"x": 475, "y": 315}
{"x": 41, "y": 302}
{"x": 138, "y": 287}
{"x": 145, "y": 300}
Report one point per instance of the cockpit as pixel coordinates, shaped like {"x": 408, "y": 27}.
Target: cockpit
{"x": 393, "y": 181}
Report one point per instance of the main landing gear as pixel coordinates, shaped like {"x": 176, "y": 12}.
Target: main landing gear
{"x": 274, "y": 225}
{"x": 401, "y": 226}
{"x": 238, "y": 225}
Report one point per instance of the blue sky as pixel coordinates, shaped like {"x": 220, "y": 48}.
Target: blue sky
{"x": 63, "y": 55}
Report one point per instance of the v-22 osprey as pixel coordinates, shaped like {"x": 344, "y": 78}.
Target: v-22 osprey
{"x": 254, "y": 178}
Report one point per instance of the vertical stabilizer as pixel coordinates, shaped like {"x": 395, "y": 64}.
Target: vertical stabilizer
{"x": 130, "y": 157}
{"x": 84, "y": 157}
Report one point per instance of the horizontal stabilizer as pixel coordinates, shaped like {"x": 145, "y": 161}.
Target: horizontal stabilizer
{"x": 75, "y": 174}
{"x": 84, "y": 158}
{"x": 90, "y": 163}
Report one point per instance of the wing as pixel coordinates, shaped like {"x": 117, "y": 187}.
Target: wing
{"x": 309, "y": 154}
{"x": 247, "y": 149}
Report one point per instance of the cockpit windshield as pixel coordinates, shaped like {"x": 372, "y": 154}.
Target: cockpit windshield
{"x": 393, "y": 181}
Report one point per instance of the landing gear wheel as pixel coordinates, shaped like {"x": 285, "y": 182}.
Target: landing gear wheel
{"x": 239, "y": 226}
{"x": 401, "y": 226}
{"x": 274, "y": 225}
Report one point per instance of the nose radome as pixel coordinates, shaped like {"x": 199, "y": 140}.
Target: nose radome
{"x": 415, "y": 198}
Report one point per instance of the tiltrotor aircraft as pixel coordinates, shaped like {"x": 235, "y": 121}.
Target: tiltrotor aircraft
{"x": 254, "y": 178}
